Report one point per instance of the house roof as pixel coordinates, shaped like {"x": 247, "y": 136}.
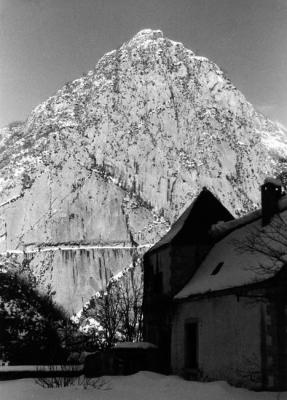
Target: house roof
{"x": 181, "y": 221}
{"x": 222, "y": 229}
{"x": 226, "y": 266}
{"x": 174, "y": 230}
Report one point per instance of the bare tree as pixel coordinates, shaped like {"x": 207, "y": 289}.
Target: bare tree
{"x": 131, "y": 294}
{"x": 270, "y": 242}
{"x": 118, "y": 309}
{"x": 106, "y": 310}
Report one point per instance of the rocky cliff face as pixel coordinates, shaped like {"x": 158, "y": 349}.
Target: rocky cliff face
{"x": 101, "y": 169}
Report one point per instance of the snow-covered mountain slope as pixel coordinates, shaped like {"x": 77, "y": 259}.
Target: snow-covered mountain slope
{"x": 99, "y": 171}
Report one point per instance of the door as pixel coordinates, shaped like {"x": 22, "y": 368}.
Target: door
{"x": 191, "y": 345}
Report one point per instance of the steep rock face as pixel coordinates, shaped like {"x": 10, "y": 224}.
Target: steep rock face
{"x": 99, "y": 171}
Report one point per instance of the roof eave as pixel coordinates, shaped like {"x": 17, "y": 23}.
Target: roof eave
{"x": 226, "y": 291}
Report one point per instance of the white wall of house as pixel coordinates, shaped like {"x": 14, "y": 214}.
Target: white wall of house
{"x": 229, "y": 338}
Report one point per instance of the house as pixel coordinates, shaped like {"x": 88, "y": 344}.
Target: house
{"x": 215, "y": 299}
{"x": 167, "y": 266}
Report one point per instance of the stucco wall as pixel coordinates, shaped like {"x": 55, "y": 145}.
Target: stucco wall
{"x": 229, "y": 338}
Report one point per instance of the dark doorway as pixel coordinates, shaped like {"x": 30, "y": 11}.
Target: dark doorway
{"x": 191, "y": 345}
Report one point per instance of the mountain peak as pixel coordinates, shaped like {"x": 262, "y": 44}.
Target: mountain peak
{"x": 155, "y": 41}
{"x": 148, "y": 34}
{"x": 114, "y": 157}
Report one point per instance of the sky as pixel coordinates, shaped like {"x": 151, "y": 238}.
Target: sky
{"x": 46, "y": 43}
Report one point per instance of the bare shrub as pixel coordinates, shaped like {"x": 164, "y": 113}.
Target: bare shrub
{"x": 52, "y": 382}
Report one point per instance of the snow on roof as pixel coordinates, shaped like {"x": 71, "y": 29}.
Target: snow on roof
{"x": 135, "y": 345}
{"x": 226, "y": 266}
{"x": 274, "y": 181}
{"x": 221, "y": 229}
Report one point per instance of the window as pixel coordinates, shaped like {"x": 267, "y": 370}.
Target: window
{"x": 191, "y": 345}
{"x": 217, "y": 268}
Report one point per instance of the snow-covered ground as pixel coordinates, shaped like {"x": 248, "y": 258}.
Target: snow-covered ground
{"x": 24, "y": 368}
{"x": 141, "y": 386}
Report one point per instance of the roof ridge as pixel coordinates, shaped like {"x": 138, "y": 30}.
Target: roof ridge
{"x": 222, "y": 229}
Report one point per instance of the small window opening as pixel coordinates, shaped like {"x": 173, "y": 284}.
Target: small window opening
{"x": 217, "y": 268}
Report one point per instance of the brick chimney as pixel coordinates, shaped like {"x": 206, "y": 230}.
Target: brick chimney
{"x": 271, "y": 191}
